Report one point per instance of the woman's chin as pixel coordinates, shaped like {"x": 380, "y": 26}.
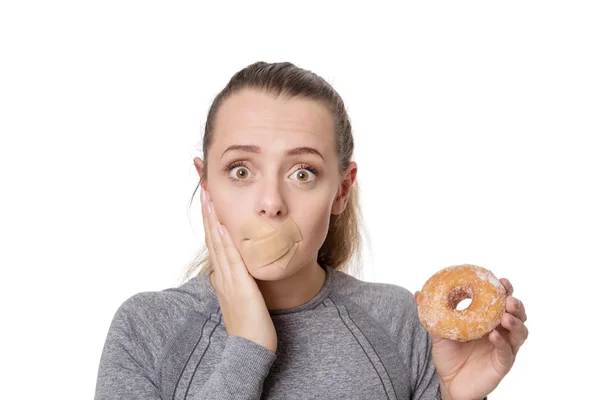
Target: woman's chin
{"x": 269, "y": 272}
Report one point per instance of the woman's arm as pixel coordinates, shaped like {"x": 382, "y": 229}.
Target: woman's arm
{"x": 127, "y": 371}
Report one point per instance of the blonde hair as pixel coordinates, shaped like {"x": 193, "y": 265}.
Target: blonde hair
{"x": 342, "y": 244}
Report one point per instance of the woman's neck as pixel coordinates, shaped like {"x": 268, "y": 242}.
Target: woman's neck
{"x": 294, "y": 290}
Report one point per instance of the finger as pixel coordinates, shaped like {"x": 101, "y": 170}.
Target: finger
{"x": 234, "y": 257}
{"x": 516, "y": 308}
{"x": 215, "y": 235}
{"x": 508, "y": 286}
{"x": 205, "y": 221}
{"x": 207, "y": 236}
{"x": 518, "y": 332}
{"x": 503, "y": 331}
{"x": 417, "y": 293}
{"x": 504, "y": 353}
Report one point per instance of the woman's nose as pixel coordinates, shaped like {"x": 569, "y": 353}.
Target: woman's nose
{"x": 271, "y": 201}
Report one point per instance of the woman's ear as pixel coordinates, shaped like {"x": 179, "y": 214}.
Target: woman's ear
{"x": 343, "y": 193}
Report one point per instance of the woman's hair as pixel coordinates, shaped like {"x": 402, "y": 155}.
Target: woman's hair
{"x": 284, "y": 79}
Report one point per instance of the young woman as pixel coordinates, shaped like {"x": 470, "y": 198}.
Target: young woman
{"x": 273, "y": 313}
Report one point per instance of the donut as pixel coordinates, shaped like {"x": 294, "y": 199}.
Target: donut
{"x": 445, "y": 289}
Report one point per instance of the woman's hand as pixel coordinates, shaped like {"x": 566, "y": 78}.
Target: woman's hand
{"x": 244, "y": 309}
{"x": 471, "y": 370}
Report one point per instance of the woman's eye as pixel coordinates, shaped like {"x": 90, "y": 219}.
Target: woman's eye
{"x": 240, "y": 173}
{"x": 304, "y": 175}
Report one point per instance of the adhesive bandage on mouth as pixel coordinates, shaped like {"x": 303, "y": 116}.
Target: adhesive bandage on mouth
{"x": 262, "y": 244}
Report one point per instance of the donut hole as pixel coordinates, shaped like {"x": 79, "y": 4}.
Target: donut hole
{"x": 460, "y": 298}
{"x": 464, "y": 304}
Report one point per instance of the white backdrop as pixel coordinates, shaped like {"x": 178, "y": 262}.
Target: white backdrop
{"x": 476, "y": 129}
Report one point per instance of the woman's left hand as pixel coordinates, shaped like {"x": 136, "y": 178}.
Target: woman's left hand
{"x": 471, "y": 370}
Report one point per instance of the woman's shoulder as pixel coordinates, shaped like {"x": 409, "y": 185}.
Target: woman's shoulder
{"x": 391, "y": 305}
{"x": 377, "y": 294}
{"x": 154, "y": 317}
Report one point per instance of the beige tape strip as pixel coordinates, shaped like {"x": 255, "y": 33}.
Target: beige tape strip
{"x": 268, "y": 245}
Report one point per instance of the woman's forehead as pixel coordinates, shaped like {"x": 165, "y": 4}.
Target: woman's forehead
{"x": 260, "y": 119}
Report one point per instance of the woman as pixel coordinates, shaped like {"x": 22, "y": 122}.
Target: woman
{"x": 273, "y": 313}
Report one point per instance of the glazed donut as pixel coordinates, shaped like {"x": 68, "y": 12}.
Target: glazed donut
{"x": 444, "y": 290}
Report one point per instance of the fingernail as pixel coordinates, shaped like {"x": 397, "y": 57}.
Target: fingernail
{"x": 220, "y": 229}
{"x": 513, "y": 321}
{"x": 518, "y": 305}
{"x": 209, "y": 207}
{"x": 202, "y": 195}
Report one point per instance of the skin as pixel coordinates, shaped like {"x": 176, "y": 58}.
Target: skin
{"x": 272, "y": 185}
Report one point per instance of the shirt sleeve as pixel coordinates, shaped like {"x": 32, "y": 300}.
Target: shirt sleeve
{"x": 424, "y": 377}
{"x": 126, "y": 369}
{"x": 240, "y": 374}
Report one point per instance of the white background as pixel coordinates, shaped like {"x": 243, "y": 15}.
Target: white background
{"x": 476, "y": 129}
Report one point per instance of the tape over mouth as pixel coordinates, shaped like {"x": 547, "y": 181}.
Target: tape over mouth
{"x": 262, "y": 244}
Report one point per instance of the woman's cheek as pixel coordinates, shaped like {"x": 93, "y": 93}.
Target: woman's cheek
{"x": 314, "y": 235}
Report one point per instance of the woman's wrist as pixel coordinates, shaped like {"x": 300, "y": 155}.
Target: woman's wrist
{"x": 446, "y": 395}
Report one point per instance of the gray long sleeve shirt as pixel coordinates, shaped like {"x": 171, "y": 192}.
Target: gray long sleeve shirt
{"x": 353, "y": 340}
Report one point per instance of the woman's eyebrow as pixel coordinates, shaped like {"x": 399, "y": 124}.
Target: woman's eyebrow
{"x": 256, "y": 149}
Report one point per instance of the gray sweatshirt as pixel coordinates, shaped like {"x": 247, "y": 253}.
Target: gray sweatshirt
{"x": 353, "y": 340}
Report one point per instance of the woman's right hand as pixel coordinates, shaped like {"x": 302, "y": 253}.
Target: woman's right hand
{"x": 244, "y": 309}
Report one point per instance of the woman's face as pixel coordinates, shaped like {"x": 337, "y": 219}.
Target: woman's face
{"x": 288, "y": 167}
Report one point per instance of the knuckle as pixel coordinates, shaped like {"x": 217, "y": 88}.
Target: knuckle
{"x": 218, "y": 250}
